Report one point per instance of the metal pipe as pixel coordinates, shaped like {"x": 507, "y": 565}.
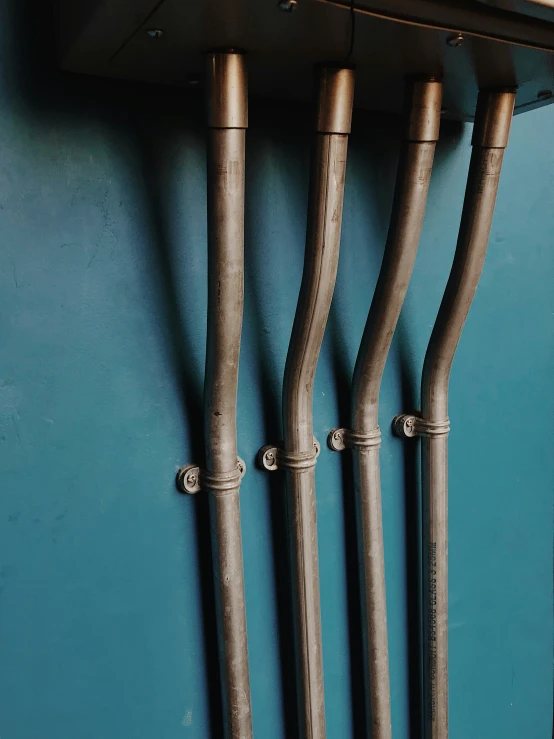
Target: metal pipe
{"x": 490, "y": 137}
{"x": 423, "y": 106}
{"x": 334, "y": 112}
{"x": 298, "y": 457}
{"x": 227, "y": 122}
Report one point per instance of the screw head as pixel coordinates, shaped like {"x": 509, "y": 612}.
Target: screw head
{"x": 287, "y": 6}
{"x": 193, "y": 80}
{"x": 455, "y": 40}
{"x": 155, "y": 33}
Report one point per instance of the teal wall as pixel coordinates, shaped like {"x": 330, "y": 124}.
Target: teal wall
{"x": 106, "y": 608}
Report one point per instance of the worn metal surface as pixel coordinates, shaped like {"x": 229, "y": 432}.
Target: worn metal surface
{"x": 494, "y": 114}
{"x": 393, "y": 40}
{"x": 423, "y": 109}
{"x": 300, "y": 450}
{"x": 226, "y": 161}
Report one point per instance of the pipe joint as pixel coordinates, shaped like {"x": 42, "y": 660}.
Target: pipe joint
{"x": 409, "y": 425}
{"x": 335, "y": 99}
{"x": 341, "y": 439}
{"x": 192, "y": 479}
{"x": 276, "y": 458}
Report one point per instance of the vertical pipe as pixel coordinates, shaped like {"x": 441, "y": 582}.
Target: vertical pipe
{"x": 423, "y": 107}
{"x": 227, "y": 122}
{"x": 336, "y": 90}
{"x": 490, "y": 137}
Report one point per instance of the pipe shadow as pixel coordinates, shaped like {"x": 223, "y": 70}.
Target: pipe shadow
{"x": 342, "y": 373}
{"x": 409, "y": 393}
{"x": 131, "y": 114}
{"x": 154, "y": 148}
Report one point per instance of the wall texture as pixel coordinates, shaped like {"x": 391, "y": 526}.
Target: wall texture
{"x": 106, "y": 625}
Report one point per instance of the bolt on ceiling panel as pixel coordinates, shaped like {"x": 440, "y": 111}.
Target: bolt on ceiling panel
{"x": 470, "y": 44}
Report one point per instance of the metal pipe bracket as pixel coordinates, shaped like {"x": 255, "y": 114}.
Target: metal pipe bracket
{"x": 192, "y": 479}
{"x": 341, "y": 439}
{"x": 410, "y": 425}
{"x": 273, "y": 458}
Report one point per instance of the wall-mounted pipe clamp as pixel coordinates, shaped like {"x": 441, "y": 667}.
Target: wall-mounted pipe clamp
{"x": 193, "y": 479}
{"x": 410, "y": 425}
{"x": 273, "y": 458}
{"x": 340, "y": 439}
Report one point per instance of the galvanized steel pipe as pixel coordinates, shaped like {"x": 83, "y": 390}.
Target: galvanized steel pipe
{"x": 490, "y": 137}
{"x": 300, "y": 450}
{"x": 422, "y": 113}
{"x": 227, "y": 122}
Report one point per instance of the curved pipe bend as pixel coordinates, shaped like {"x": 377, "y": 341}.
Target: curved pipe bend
{"x": 490, "y": 137}
{"x": 334, "y": 111}
{"x": 422, "y": 120}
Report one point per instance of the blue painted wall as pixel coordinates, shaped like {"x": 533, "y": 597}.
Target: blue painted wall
{"x": 106, "y": 610}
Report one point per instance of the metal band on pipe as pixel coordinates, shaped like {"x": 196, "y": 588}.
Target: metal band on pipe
{"x": 335, "y": 98}
{"x": 192, "y": 479}
{"x": 276, "y": 458}
{"x": 423, "y": 110}
{"x": 340, "y": 439}
{"x": 409, "y": 425}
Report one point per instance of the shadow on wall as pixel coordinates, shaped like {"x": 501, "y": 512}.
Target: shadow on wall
{"x": 141, "y": 122}
{"x": 146, "y": 127}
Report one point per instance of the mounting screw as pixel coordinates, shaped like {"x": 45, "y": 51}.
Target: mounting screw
{"x": 455, "y": 40}
{"x": 287, "y": 6}
{"x": 193, "y": 80}
{"x": 403, "y": 425}
{"x": 336, "y": 440}
{"x": 155, "y": 32}
{"x": 188, "y": 479}
{"x": 267, "y": 458}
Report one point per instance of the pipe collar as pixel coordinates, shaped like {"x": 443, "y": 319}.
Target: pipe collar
{"x": 493, "y": 118}
{"x": 424, "y": 102}
{"x": 227, "y": 90}
{"x": 335, "y": 99}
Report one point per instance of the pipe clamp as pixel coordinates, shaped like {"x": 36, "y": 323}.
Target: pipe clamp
{"x": 409, "y": 425}
{"x": 191, "y": 479}
{"x": 272, "y": 458}
{"x": 341, "y": 439}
